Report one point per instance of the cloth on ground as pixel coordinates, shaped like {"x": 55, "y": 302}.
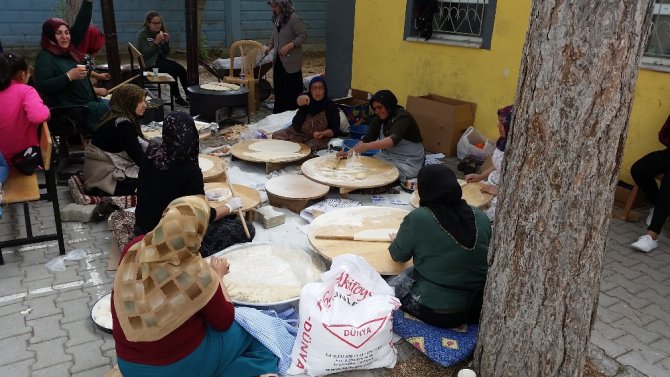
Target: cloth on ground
{"x": 446, "y": 347}
{"x": 79, "y": 195}
{"x": 276, "y": 331}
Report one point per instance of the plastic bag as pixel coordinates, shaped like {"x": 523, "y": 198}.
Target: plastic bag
{"x": 466, "y": 146}
{"x": 345, "y": 321}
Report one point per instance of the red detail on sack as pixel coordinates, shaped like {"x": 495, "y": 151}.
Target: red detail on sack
{"x": 356, "y": 336}
{"x": 305, "y": 341}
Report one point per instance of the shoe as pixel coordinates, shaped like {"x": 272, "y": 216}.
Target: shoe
{"x": 651, "y": 214}
{"x": 181, "y": 102}
{"x": 645, "y": 244}
{"x": 103, "y": 210}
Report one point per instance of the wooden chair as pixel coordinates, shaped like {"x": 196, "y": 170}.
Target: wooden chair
{"x": 150, "y": 79}
{"x": 625, "y": 215}
{"x": 21, "y": 188}
{"x": 251, "y": 52}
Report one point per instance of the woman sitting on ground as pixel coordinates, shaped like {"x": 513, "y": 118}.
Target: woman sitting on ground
{"x": 492, "y": 174}
{"x": 395, "y": 132}
{"x": 317, "y": 119}
{"x": 22, "y": 108}
{"x": 154, "y": 43}
{"x": 113, "y": 156}
{"x": 158, "y": 334}
{"x": 60, "y": 72}
{"x": 171, "y": 171}
{"x": 448, "y": 242}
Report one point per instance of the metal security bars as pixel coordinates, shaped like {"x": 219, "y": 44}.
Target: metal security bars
{"x": 463, "y": 18}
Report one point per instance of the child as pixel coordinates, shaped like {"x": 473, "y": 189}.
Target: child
{"x": 4, "y": 171}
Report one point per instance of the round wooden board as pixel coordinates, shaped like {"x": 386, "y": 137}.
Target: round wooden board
{"x": 295, "y": 186}
{"x": 215, "y": 171}
{"x": 347, "y": 221}
{"x": 471, "y": 193}
{"x": 241, "y": 150}
{"x": 250, "y": 197}
{"x": 343, "y": 173}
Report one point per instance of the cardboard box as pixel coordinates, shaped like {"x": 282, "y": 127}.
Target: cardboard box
{"x": 442, "y": 121}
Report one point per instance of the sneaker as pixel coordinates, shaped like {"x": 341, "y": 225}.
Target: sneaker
{"x": 103, "y": 210}
{"x": 181, "y": 102}
{"x": 651, "y": 214}
{"x": 645, "y": 244}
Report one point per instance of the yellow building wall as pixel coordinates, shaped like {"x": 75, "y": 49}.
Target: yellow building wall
{"x": 383, "y": 60}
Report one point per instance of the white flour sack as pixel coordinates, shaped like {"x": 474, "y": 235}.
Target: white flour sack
{"x": 345, "y": 321}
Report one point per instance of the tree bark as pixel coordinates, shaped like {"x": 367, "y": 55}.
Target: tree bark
{"x": 575, "y": 91}
{"x": 71, "y": 10}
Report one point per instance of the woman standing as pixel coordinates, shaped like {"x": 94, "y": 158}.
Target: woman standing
{"x": 317, "y": 119}
{"x": 170, "y": 171}
{"x": 171, "y": 313}
{"x": 154, "y": 43}
{"x": 492, "y": 174}
{"x": 60, "y": 71}
{"x": 288, "y": 36}
{"x": 112, "y": 158}
{"x": 395, "y": 131}
{"x": 22, "y": 107}
{"x": 448, "y": 241}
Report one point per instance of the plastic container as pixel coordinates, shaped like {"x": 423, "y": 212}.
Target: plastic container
{"x": 349, "y": 143}
{"x": 358, "y": 131}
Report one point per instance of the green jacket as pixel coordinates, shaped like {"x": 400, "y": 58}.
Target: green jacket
{"x": 150, "y": 50}
{"x": 447, "y": 272}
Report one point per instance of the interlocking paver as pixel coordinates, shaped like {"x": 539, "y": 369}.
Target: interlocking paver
{"x": 42, "y": 306}
{"x": 46, "y": 328}
{"x": 12, "y": 309}
{"x": 13, "y": 325}
{"x": 59, "y": 370}
{"x": 18, "y": 369}
{"x": 71, "y": 294}
{"x": 611, "y": 348}
{"x": 50, "y": 352}
{"x": 605, "y": 300}
{"x": 75, "y": 310}
{"x": 15, "y": 349}
{"x": 88, "y": 356}
{"x": 95, "y": 372}
{"x": 640, "y": 333}
{"x": 80, "y": 332}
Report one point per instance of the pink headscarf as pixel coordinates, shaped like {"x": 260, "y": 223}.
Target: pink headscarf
{"x": 49, "y": 43}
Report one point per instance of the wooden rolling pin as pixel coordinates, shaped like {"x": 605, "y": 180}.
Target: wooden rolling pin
{"x": 370, "y": 235}
{"x": 239, "y": 211}
{"x": 125, "y": 82}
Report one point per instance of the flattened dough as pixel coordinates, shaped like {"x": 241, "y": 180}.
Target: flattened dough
{"x": 375, "y": 234}
{"x": 205, "y": 164}
{"x": 275, "y": 147}
{"x": 361, "y": 175}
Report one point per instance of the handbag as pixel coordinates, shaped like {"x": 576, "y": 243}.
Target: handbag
{"x": 28, "y": 161}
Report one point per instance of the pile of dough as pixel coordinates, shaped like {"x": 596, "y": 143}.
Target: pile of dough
{"x": 220, "y": 86}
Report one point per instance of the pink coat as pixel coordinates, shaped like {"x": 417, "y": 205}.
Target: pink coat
{"x": 21, "y": 110}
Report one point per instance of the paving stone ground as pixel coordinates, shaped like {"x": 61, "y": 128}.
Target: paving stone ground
{"x": 47, "y": 331}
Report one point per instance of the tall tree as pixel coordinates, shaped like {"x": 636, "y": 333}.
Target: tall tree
{"x": 574, "y": 95}
{"x": 70, "y": 9}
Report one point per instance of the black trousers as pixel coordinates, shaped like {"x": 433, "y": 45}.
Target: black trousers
{"x": 442, "y": 320}
{"x": 643, "y": 171}
{"x": 287, "y": 87}
{"x": 176, "y": 70}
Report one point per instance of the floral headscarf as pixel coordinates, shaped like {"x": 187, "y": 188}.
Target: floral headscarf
{"x": 49, "y": 43}
{"x": 180, "y": 142}
{"x": 123, "y": 104}
{"x": 286, "y": 7}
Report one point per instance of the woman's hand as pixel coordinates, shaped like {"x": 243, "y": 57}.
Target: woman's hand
{"x": 233, "y": 205}
{"x": 473, "y": 177}
{"x": 392, "y": 236}
{"x": 104, "y": 76}
{"x": 342, "y": 154}
{"x": 286, "y": 49}
{"x": 361, "y": 147}
{"x": 77, "y": 73}
{"x": 160, "y": 37}
{"x": 490, "y": 189}
{"x": 100, "y": 92}
{"x": 303, "y": 100}
{"x": 220, "y": 265}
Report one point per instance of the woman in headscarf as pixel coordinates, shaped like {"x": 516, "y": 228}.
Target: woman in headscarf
{"x": 448, "y": 242}
{"x": 171, "y": 171}
{"x": 288, "y": 36}
{"x": 171, "y": 313}
{"x": 154, "y": 43}
{"x": 61, "y": 75}
{"x": 317, "y": 119}
{"x": 395, "y": 132}
{"x": 491, "y": 176}
{"x": 113, "y": 156}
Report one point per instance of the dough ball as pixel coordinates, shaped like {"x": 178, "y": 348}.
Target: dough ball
{"x": 361, "y": 175}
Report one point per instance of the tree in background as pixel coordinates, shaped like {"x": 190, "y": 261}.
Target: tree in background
{"x": 576, "y": 86}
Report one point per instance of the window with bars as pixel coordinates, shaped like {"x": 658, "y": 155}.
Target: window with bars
{"x": 462, "y": 22}
{"x": 657, "y": 52}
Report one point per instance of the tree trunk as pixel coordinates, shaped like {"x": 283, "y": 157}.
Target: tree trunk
{"x": 575, "y": 90}
{"x": 71, "y": 9}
